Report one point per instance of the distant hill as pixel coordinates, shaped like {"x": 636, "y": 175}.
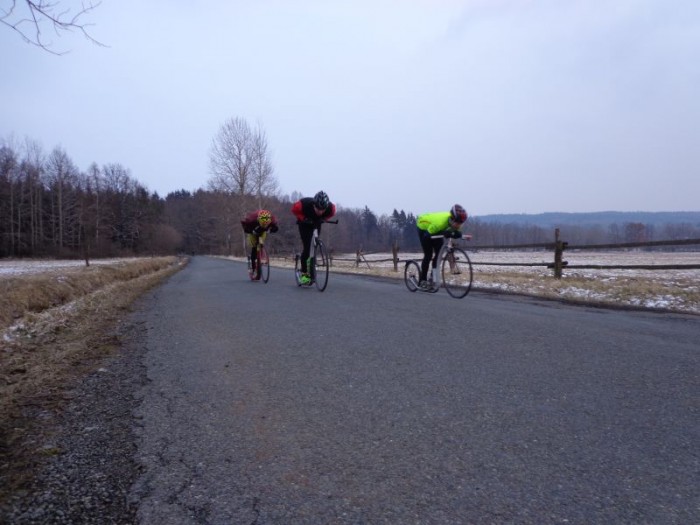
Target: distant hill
{"x": 557, "y": 219}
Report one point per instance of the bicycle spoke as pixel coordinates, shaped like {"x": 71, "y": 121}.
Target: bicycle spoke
{"x": 411, "y": 275}
{"x": 456, "y": 273}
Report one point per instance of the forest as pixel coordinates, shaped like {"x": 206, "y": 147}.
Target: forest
{"x": 50, "y": 208}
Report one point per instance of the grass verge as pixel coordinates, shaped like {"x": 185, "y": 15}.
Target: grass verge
{"x": 56, "y": 328}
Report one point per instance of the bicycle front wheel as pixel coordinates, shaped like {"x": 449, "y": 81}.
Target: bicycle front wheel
{"x": 251, "y": 275}
{"x": 321, "y": 267}
{"x": 264, "y": 264}
{"x": 411, "y": 275}
{"x": 456, "y": 272}
{"x": 297, "y": 269}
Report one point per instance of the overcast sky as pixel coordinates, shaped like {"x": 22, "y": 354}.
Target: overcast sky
{"x": 506, "y": 106}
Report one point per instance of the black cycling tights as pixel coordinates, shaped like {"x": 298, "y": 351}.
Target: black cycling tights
{"x": 254, "y": 256}
{"x": 307, "y": 232}
{"x": 431, "y": 248}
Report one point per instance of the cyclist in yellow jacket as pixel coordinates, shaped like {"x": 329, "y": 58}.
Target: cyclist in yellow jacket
{"x": 447, "y": 223}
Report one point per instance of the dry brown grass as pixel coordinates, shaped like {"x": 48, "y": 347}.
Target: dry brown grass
{"x": 20, "y": 295}
{"x": 55, "y": 328}
{"x": 677, "y": 294}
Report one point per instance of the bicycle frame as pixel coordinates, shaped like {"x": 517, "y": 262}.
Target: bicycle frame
{"x": 444, "y": 251}
{"x": 262, "y": 264}
{"x": 312, "y": 254}
{"x": 316, "y": 247}
{"x": 447, "y": 250}
{"x": 451, "y": 263}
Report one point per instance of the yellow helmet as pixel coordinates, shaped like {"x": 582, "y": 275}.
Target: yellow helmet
{"x": 264, "y": 218}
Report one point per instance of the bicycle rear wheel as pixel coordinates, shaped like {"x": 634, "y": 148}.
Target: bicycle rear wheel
{"x": 411, "y": 275}
{"x": 321, "y": 266}
{"x": 457, "y": 274}
{"x": 263, "y": 264}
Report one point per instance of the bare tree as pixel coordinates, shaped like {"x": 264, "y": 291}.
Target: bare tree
{"x": 230, "y": 162}
{"x": 94, "y": 181}
{"x": 240, "y": 168}
{"x": 29, "y": 17}
{"x": 240, "y": 162}
{"x": 264, "y": 182}
{"x": 9, "y": 168}
{"x": 33, "y": 165}
{"x": 62, "y": 180}
{"x": 231, "y": 158}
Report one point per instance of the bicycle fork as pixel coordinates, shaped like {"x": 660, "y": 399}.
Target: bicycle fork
{"x": 311, "y": 261}
{"x": 311, "y": 267}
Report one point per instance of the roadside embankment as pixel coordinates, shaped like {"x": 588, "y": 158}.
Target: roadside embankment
{"x": 55, "y": 327}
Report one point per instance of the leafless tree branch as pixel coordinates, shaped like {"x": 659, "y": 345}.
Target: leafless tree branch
{"x": 29, "y": 18}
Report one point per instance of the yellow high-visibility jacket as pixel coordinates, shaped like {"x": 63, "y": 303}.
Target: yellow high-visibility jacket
{"x": 434, "y": 223}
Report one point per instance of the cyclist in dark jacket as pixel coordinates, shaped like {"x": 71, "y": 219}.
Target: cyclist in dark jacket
{"x": 447, "y": 223}
{"x": 311, "y": 212}
{"x": 256, "y": 224}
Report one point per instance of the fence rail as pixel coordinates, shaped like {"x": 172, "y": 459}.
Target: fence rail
{"x": 633, "y": 267}
{"x": 559, "y": 247}
{"x": 649, "y": 244}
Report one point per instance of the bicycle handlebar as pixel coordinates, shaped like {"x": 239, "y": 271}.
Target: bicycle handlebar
{"x": 465, "y": 237}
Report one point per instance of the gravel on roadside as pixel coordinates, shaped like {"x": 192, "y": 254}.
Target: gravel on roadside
{"x": 88, "y": 467}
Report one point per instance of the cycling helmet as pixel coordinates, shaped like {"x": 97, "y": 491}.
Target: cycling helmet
{"x": 264, "y": 218}
{"x": 321, "y": 200}
{"x": 458, "y": 214}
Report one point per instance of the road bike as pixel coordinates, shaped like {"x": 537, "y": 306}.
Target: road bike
{"x": 453, "y": 271}
{"x": 262, "y": 272}
{"x": 318, "y": 264}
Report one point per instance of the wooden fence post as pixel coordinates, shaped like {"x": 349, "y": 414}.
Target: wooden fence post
{"x": 558, "y": 254}
{"x": 395, "y": 255}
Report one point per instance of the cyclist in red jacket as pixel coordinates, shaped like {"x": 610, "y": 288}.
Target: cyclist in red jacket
{"x": 256, "y": 224}
{"x": 311, "y": 212}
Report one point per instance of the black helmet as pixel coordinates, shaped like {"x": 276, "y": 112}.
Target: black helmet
{"x": 458, "y": 214}
{"x": 321, "y": 200}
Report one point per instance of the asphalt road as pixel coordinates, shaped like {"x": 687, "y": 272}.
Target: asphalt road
{"x": 268, "y": 403}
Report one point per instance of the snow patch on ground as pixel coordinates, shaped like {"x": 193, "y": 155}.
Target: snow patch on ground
{"x": 661, "y": 289}
{"x": 9, "y": 267}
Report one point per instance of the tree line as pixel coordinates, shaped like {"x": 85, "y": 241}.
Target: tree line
{"x": 50, "y": 208}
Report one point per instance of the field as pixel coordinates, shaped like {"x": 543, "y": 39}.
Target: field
{"x": 665, "y": 290}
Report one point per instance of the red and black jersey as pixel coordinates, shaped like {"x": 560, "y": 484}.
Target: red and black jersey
{"x": 250, "y": 223}
{"x": 303, "y": 209}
